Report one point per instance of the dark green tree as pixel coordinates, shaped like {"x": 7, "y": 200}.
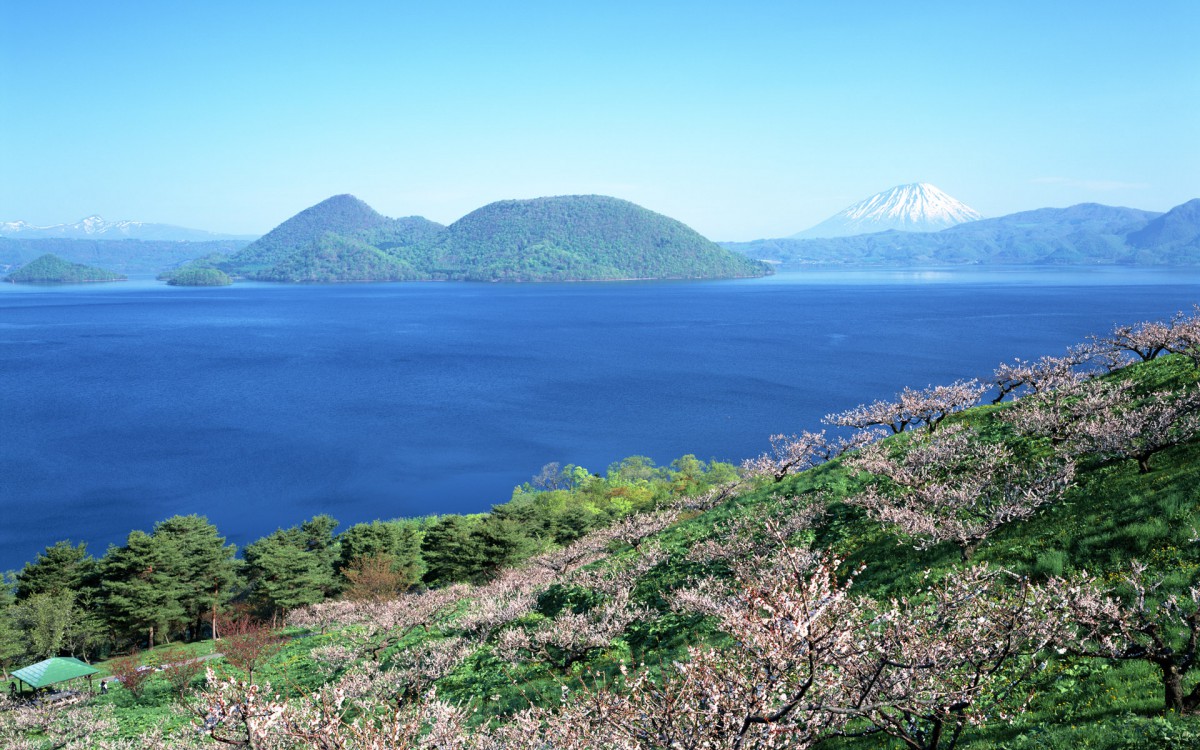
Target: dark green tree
{"x": 293, "y": 567}
{"x": 140, "y": 588}
{"x": 450, "y": 551}
{"x": 399, "y": 540}
{"x": 497, "y": 543}
{"x": 206, "y": 568}
{"x": 60, "y": 567}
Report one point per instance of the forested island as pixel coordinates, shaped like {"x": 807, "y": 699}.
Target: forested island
{"x": 944, "y": 573}
{"x": 51, "y": 269}
{"x": 197, "y": 276}
{"x": 564, "y": 238}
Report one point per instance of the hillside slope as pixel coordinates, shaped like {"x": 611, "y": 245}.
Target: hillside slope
{"x": 580, "y": 237}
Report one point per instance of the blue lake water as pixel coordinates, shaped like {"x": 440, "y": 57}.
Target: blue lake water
{"x": 261, "y": 405}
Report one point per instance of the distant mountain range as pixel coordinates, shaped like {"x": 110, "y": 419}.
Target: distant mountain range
{"x": 596, "y": 237}
{"x": 919, "y": 207}
{"x": 135, "y": 257}
{"x": 98, "y": 228}
{"x": 563, "y": 238}
{"x": 1086, "y": 234}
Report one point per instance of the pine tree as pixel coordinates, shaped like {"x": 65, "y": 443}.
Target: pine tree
{"x": 204, "y": 566}
{"x": 141, "y": 593}
{"x": 449, "y": 551}
{"x": 60, "y": 567}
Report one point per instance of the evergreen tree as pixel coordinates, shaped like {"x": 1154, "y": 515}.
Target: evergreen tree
{"x": 498, "y": 542}
{"x": 285, "y": 576}
{"x": 293, "y": 567}
{"x": 140, "y": 588}
{"x": 397, "y": 540}
{"x": 60, "y": 567}
{"x": 203, "y": 566}
{"x": 449, "y": 551}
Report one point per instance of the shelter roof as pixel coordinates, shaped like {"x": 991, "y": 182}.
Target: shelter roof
{"x": 50, "y": 671}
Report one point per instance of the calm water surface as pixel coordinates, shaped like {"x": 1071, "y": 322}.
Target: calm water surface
{"x": 262, "y": 405}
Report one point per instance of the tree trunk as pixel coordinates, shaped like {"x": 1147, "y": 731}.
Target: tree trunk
{"x": 1172, "y": 688}
{"x": 1192, "y": 701}
{"x": 1143, "y": 464}
{"x": 151, "y": 636}
{"x": 967, "y": 549}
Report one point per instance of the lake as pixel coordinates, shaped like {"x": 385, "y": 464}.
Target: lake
{"x": 262, "y": 405}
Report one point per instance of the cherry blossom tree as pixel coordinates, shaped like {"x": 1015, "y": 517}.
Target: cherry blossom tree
{"x": 952, "y": 487}
{"x": 1056, "y": 414}
{"x": 913, "y": 408}
{"x": 792, "y": 454}
{"x": 1136, "y": 621}
{"x": 1187, "y": 338}
{"x": 1139, "y": 429}
{"x": 571, "y": 636}
{"x": 1145, "y": 340}
{"x": 1042, "y": 375}
{"x": 952, "y": 655}
{"x": 793, "y": 630}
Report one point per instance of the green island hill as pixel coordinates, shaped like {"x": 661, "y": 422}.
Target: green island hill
{"x": 564, "y": 238}
{"x": 51, "y": 269}
{"x": 197, "y": 276}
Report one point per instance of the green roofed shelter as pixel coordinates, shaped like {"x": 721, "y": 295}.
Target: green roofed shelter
{"x": 50, "y": 671}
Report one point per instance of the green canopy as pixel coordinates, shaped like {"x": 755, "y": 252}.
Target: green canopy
{"x": 54, "y": 670}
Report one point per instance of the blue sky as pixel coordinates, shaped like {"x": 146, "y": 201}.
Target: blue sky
{"x": 746, "y": 120}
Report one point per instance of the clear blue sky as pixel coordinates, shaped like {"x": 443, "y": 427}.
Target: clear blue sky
{"x": 745, "y": 120}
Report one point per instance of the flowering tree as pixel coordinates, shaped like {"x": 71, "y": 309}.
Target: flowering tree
{"x": 1056, "y": 414}
{"x": 1145, "y": 340}
{"x": 1187, "y": 337}
{"x": 1136, "y": 621}
{"x": 372, "y": 627}
{"x": 1126, "y": 427}
{"x": 132, "y": 673}
{"x": 794, "y": 634}
{"x": 1040, "y": 376}
{"x": 913, "y": 408}
{"x": 248, "y": 644}
{"x": 952, "y": 487}
{"x": 792, "y": 454}
{"x": 949, "y": 656}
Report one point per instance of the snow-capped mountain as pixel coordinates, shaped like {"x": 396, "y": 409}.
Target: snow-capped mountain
{"x": 98, "y": 228}
{"x": 919, "y": 207}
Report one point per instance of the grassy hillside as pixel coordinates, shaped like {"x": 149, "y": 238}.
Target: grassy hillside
{"x": 51, "y": 269}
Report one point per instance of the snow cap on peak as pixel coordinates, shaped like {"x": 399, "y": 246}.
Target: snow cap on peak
{"x": 915, "y": 207}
